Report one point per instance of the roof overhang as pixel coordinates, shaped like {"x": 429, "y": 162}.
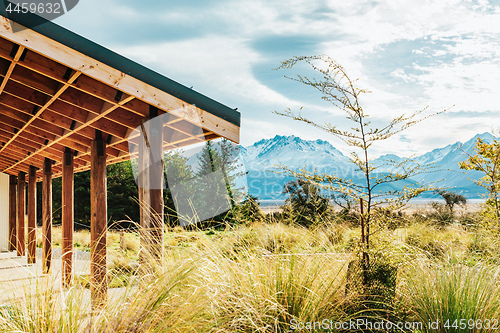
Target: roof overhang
{"x": 57, "y": 88}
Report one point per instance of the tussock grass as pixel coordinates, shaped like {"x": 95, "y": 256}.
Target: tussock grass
{"x": 447, "y": 292}
{"x": 258, "y": 277}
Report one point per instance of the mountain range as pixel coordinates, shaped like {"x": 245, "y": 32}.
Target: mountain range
{"x": 323, "y": 157}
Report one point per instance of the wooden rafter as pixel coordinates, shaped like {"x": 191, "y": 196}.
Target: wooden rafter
{"x": 39, "y": 112}
{"x": 11, "y": 68}
{"x": 53, "y": 97}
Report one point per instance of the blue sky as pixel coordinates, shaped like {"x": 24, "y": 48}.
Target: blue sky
{"x": 410, "y": 54}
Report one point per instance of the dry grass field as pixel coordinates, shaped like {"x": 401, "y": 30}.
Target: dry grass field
{"x": 270, "y": 276}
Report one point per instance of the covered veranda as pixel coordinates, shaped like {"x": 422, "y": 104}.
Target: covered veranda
{"x": 69, "y": 105}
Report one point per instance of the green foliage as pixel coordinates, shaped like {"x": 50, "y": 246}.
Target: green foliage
{"x": 487, "y": 160}
{"x": 305, "y": 200}
{"x": 82, "y": 198}
{"x": 375, "y": 287}
{"x": 176, "y": 167}
{"x": 121, "y": 191}
{"x": 247, "y": 211}
{"x": 441, "y": 215}
{"x": 209, "y": 193}
{"x": 215, "y": 194}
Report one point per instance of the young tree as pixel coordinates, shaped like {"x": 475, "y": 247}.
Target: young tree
{"x": 487, "y": 159}
{"x": 341, "y": 91}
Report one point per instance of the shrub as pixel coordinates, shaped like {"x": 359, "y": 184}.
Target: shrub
{"x": 305, "y": 201}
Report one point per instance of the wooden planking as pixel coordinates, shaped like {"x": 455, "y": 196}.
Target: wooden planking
{"x": 98, "y": 224}
{"x": 67, "y": 216}
{"x": 26, "y": 93}
{"x": 21, "y": 208}
{"x": 34, "y": 80}
{"x": 12, "y": 213}
{"x": 40, "y": 111}
{"x": 32, "y": 215}
{"x": 127, "y": 122}
{"x": 47, "y": 216}
{"x": 90, "y": 122}
{"x": 90, "y": 86}
{"x": 119, "y": 80}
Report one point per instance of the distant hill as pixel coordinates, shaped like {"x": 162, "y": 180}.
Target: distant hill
{"x": 297, "y": 153}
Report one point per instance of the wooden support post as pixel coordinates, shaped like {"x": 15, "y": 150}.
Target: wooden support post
{"x": 13, "y": 213}
{"x": 21, "y": 208}
{"x": 144, "y": 199}
{"x": 47, "y": 215}
{"x": 32, "y": 216}
{"x": 98, "y": 221}
{"x": 67, "y": 216}
{"x": 156, "y": 184}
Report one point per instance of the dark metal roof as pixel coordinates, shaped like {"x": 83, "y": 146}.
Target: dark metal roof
{"x": 119, "y": 62}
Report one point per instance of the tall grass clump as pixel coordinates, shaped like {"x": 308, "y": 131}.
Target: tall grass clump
{"x": 448, "y": 293}
{"x": 271, "y": 293}
{"x": 41, "y": 306}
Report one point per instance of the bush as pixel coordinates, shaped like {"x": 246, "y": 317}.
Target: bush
{"x": 305, "y": 204}
{"x": 441, "y": 215}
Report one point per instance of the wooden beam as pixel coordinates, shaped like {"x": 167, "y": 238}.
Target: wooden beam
{"x": 144, "y": 202}
{"x": 59, "y": 92}
{"x": 13, "y": 64}
{"x": 98, "y": 222}
{"x": 91, "y": 121}
{"x": 32, "y": 215}
{"x": 67, "y": 216}
{"x": 156, "y": 182}
{"x": 12, "y": 213}
{"x": 47, "y": 216}
{"x": 21, "y": 205}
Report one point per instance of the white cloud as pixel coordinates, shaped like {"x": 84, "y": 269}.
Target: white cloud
{"x": 219, "y": 65}
{"x": 462, "y": 52}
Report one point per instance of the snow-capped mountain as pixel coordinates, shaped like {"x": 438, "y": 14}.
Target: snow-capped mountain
{"x": 296, "y": 153}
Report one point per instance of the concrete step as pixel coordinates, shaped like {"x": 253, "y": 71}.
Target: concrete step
{"x": 18, "y": 273}
{"x": 13, "y": 263}
{"x": 8, "y": 255}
